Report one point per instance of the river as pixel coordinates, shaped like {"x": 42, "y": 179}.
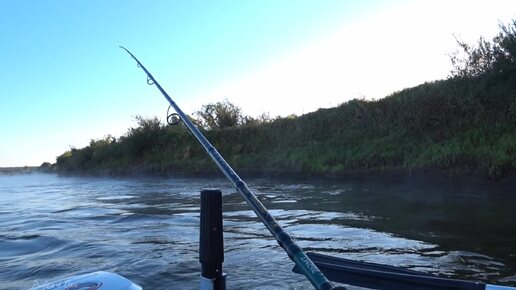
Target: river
{"x": 147, "y": 229}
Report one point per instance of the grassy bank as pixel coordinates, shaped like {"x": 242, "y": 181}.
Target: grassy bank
{"x": 464, "y": 124}
{"x": 453, "y": 125}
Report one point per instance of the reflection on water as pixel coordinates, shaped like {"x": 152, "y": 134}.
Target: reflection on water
{"x": 147, "y": 229}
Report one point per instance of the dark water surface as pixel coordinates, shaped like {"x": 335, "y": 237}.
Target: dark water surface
{"x": 147, "y": 229}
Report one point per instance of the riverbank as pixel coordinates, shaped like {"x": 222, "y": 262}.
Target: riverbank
{"x": 463, "y": 125}
{"x": 449, "y": 127}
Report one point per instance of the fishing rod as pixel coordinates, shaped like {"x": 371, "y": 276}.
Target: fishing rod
{"x": 296, "y": 254}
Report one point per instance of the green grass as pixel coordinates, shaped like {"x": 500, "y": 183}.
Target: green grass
{"x": 432, "y": 126}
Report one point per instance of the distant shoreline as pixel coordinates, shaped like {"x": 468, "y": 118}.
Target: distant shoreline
{"x": 21, "y": 169}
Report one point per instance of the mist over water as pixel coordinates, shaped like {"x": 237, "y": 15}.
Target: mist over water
{"x": 147, "y": 229}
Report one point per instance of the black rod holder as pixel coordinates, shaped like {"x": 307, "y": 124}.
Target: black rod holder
{"x": 211, "y": 246}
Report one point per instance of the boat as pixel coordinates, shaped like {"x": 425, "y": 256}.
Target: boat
{"x": 92, "y": 281}
{"x": 384, "y": 277}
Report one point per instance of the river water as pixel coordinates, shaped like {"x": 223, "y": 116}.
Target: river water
{"x": 147, "y": 229}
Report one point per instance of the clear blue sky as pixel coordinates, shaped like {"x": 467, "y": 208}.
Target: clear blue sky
{"x": 64, "y": 81}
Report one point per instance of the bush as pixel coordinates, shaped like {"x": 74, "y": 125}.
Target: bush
{"x": 220, "y": 115}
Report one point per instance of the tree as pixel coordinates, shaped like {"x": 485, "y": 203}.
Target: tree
{"x": 496, "y": 57}
{"x": 148, "y": 135}
{"x": 45, "y": 166}
{"x": 220, "y": 115}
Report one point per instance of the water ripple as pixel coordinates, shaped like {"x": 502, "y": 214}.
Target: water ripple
{"x": 148, "y": 230}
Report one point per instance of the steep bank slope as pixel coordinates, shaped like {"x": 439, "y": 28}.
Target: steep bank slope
{"x": 454, "y": 125}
